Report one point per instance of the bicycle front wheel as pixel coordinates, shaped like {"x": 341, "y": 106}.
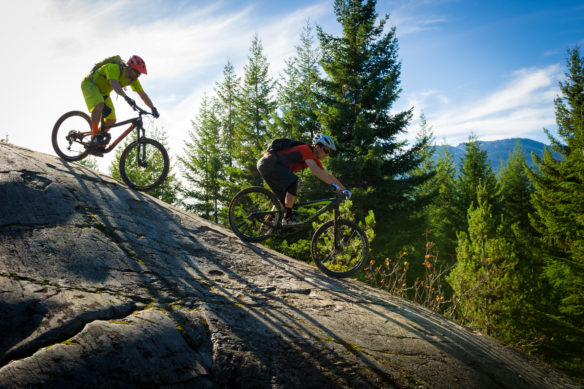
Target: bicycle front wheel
{"x": 254, "y": 214}
{"x": 339, "y": 251}
{"x": 72, "y": 135}
{"x": 144, "y": 164}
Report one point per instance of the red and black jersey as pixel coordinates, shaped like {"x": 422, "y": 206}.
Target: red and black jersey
{"x": 295, "y": 157}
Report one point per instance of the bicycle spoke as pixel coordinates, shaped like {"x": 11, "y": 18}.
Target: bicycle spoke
{"x": 144, "y": 164}
{"x": 71, "y": 136}
{"x": 347, "y": 255}
{"x": 249, "y": 212}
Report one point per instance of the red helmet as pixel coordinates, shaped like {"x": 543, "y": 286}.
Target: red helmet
{"x": 137, "y": 63}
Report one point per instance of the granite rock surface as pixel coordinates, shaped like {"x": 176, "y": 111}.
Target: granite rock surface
{"x": 102, "y": 286}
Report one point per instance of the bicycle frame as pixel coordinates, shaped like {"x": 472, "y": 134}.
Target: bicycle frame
{"x": 327, "y": 205}
{"x": 134, "y": 123}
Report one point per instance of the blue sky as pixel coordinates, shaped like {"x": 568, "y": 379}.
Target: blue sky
{"x": 490, "y": 68}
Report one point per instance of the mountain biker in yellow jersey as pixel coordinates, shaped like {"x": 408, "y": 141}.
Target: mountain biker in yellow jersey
{"x": 98, "y": 85}
{"x": 278, "y": 171}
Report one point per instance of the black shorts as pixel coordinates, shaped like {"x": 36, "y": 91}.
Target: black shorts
{"x": 278, "y": 177}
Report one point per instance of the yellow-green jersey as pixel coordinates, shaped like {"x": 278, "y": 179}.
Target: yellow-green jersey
{"x": 96, "y": 87}
{"x": 112, "y": 71}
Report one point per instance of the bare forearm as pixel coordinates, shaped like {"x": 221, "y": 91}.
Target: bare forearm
{"x": 117, "y": 88}
{"x": 325, "y": 177}
{"x": 146, "y": 99}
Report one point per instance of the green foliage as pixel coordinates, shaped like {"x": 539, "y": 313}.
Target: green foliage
{"x": 483, "y": 278}
{"x": 203, "y": 165}
{"x": 298, "y": 93}
{"x": 255, "y": 107}
{"x": 361, "y": 85}
{"x": 89, "y": 162}
{"x": 442, "y": 211}
{"x": 558, "y": 201}
{"x": 475, "y": 173}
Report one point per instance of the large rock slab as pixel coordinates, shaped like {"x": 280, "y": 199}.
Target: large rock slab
{"x": 102, "y": 286}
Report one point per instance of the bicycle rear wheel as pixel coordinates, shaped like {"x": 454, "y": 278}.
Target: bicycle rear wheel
{"x": 144, "y": 164}
{"x": 72, "y": 135}
{"x": 254, "y": 214}
{"x": 343, "y": 256}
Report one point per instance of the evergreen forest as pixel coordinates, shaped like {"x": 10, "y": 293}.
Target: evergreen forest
{"x": 500, "y": 252}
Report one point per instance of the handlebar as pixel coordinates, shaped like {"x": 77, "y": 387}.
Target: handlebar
{"x": 140, "y": 110}
{"x": 342, "y": 194}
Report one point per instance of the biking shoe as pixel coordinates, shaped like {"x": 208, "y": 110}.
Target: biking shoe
{"x": 290, "y": 221}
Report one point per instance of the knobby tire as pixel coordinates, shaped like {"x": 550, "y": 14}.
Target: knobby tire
{"x": 248, "y": 211}
{"x": 350, "y": 254}
{"x": 73, "y": 121}
{"x": 144, "y": 177}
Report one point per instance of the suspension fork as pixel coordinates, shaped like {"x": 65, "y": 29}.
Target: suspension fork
{"x": 141, "y": 153}
{"x": 335, "y": 229}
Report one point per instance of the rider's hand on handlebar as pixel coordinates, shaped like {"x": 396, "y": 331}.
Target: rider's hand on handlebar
{"x": 336, "y": 188}
{"x": 155, "y": 113}
{"x": 347, "y": 193}
{"x": 130, "y": 101}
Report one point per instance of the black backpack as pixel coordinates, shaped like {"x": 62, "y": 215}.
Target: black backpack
{"x": 282, "y": 144}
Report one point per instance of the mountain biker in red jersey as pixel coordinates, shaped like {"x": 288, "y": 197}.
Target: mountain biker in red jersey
{"x": 98, "y": 85}
{"x": 278, "y": 171}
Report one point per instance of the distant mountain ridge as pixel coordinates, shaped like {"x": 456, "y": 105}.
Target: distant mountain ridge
{"x": 498, "y": 151}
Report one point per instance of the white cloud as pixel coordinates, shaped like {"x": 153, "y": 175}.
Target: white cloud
{"x": 49, "y": 45}
{"x": 520, "y": 108}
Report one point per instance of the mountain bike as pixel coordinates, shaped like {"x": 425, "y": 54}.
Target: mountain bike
{"x": 144, "y": 163}
{"x": 339, "y": 247}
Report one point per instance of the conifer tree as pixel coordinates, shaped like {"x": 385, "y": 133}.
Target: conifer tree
{"x": 559, "y": 203}
{"x": 227, "y": 93}
{"x": 428, "y": 190}
{"x": 255, "y": 107}
{"x": 299, "y": 90}
{"x": 361, "y": 85}
{"x": 443, "y": 209}
{"x": 227, "y": 112}
{"x": 203, "y": 164}
{"x": 475, "y": 172}
{"x": 483, "y": 278}
{"x": 515, "y": 190}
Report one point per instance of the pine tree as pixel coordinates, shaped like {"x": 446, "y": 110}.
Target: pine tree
{"x": 475, "y": 172}
{"x": 298, "y": 92}
{"x": 483, "y": 278}
{"x": 227, "y": 93}
{"x": 559, "y": 203}
{"x": 361, "y": 85}
{"x": 255, "y": 107}
{"x": 443, "y": 209}
{"x": 428, "y": 190}
{"x": 203, "y": 164}
{"x": 515, "y": 190}
{"x": 227, "y": 112}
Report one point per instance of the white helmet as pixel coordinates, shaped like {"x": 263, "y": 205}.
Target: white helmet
{"x": 324, "y": 140}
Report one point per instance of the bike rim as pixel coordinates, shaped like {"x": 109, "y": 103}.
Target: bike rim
{"x": 72, "y": 136}
{"x": 249, "y": 214}
{"x": 143, "y": 165}
{"x": 343, "y": 258}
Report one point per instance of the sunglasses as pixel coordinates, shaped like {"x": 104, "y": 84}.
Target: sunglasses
{"x": 326, "y": 150}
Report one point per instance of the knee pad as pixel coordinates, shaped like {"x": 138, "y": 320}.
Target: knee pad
{"x": 106, "y": 111}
